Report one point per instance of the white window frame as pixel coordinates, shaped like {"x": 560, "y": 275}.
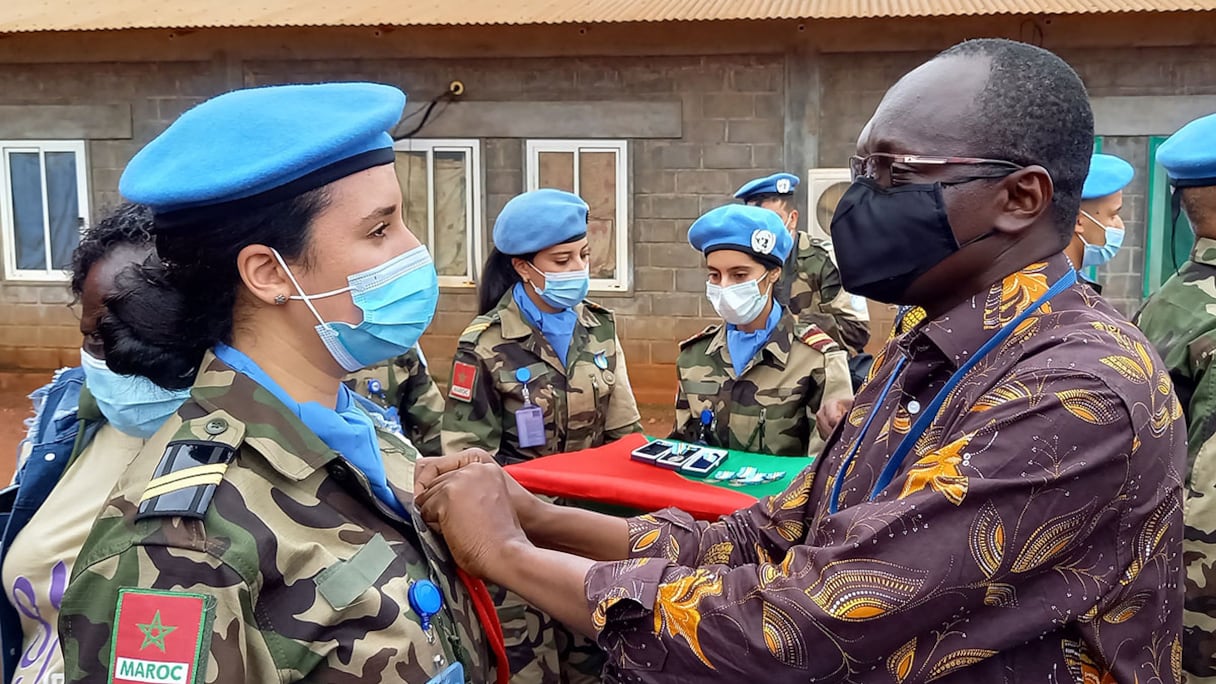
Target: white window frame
{"x": 624, "y": 268}
{"x": 473, "y": 204}
{"x": 8, "y": 147}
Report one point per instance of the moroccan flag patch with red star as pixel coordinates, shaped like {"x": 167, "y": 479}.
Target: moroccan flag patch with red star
{"x": 463, "y": 377}
{"x": 161, "y": 637}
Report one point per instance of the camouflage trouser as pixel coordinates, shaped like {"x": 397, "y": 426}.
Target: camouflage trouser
{"x": 540, "y": 649}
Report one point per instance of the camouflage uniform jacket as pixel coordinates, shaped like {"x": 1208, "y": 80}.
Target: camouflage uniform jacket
{"x": 1180, "y": 321}
{"x": 405, "y": 384}
{"x": 817, "y": 296}
{"x": 586, "y": 403}
{"x": 303, "y": 572}
{"x": 771, "y": 407}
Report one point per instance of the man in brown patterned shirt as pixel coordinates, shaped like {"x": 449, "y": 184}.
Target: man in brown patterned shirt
{"x": 1032, "y": 533}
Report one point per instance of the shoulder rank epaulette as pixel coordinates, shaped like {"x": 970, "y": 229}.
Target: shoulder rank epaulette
{"x": 814, "y": 337}
{"x": 185, "y": 480}
{"x": 478, "y": 326}
{"x": 710, "y": 330}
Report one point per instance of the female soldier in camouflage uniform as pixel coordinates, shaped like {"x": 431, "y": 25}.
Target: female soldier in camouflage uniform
{"x": 267, "y": 532}
{"x": 755, "y": 383}
{"x": 538, "y": 343}
{"x": 539, "y": 372}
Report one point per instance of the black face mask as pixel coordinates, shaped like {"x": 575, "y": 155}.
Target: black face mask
{"x": 886, "y": 238}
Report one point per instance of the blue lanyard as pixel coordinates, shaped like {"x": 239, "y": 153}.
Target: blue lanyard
{"x": 905, "y": 446}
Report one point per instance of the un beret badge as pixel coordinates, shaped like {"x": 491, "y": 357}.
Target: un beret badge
{"x": 763, "y": 241}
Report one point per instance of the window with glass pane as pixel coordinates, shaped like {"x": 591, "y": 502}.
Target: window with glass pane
{"x": 1168, "y": 245}
{"x": 596, "y": 171}
{"x": 43, "y": 202}
{"x": 439, "y": 184}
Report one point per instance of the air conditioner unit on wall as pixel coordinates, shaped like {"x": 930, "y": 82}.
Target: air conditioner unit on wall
{"x": 824, "y": 187}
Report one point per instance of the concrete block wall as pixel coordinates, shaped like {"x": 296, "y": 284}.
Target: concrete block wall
{"x": 1122, "y": 279}
{"x": 732, "y": 129}
{"x": 38, "y": 330}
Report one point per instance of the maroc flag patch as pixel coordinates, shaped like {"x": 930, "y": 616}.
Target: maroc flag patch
{"x": 463, "y": 377}
{"x": 160, "y": 637}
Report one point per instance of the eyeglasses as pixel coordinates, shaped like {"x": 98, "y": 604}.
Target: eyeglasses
{"x": 880, "y": 163}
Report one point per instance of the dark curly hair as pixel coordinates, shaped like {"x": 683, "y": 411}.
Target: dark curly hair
{"x": 1034, "y": 110}
{"x": 168, "y": 312}
{"x": 129, "y": 224}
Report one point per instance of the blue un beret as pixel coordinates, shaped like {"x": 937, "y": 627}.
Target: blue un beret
{"x": 262, "y": 145}
{"x": 1189, "y": 156}
{"x": 776, "y": 184}
{"x": 751, "y": 230}
{"x": 1108, "y": 174}
{"x": 538, "y": 220}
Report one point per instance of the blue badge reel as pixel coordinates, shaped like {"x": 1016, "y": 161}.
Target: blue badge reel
{"x": 426, "y": 601}
{"x": 529, "y": 419}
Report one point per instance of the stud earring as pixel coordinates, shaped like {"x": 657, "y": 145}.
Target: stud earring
{"x": 280, "y": 299}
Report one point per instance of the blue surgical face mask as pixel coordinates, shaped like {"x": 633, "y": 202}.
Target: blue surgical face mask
{"x": 1096, "y": 255}
{"x": 132, "y": 403}
{"x": 564, "y": 290}
{"x": 398, "y": 301}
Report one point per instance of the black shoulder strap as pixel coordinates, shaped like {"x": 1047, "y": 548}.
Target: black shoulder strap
{"x": 185, "y": 480}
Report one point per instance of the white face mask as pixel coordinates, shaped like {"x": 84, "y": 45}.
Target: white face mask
{"x": 738, "y": 304}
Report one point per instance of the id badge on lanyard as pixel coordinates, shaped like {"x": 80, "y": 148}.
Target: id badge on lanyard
{"x": 909, "y": 441}
{"x": 529, "y": 419}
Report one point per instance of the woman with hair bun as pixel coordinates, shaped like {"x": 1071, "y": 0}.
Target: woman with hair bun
{"x": 268, "y": 531}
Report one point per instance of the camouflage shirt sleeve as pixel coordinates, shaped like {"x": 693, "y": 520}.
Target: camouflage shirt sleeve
{"x": 476, "y": 422}
{"x": 622, "y": 417}
{"x": 835, "y": 384}
{"x": 683, "y": 413}
{"x": 1201, "y": 404}
{"x": 420, "y": 405}
{"x": 234, "y": 648}
{"x": 830, "y": 306}
{"x": 1199, "y": 543}
{"x": 830, "y": 285}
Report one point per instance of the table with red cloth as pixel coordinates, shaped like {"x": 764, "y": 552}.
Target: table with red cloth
{"x": 608, "y": 476}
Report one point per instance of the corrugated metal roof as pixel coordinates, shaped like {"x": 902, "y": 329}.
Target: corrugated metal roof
{"x": 75, "y": 15}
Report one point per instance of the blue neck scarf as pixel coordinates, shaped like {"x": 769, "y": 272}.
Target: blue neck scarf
{"x": 744, "y": 345}
{"x": 347, "y": 430}
{"x": 558, "y": 328}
